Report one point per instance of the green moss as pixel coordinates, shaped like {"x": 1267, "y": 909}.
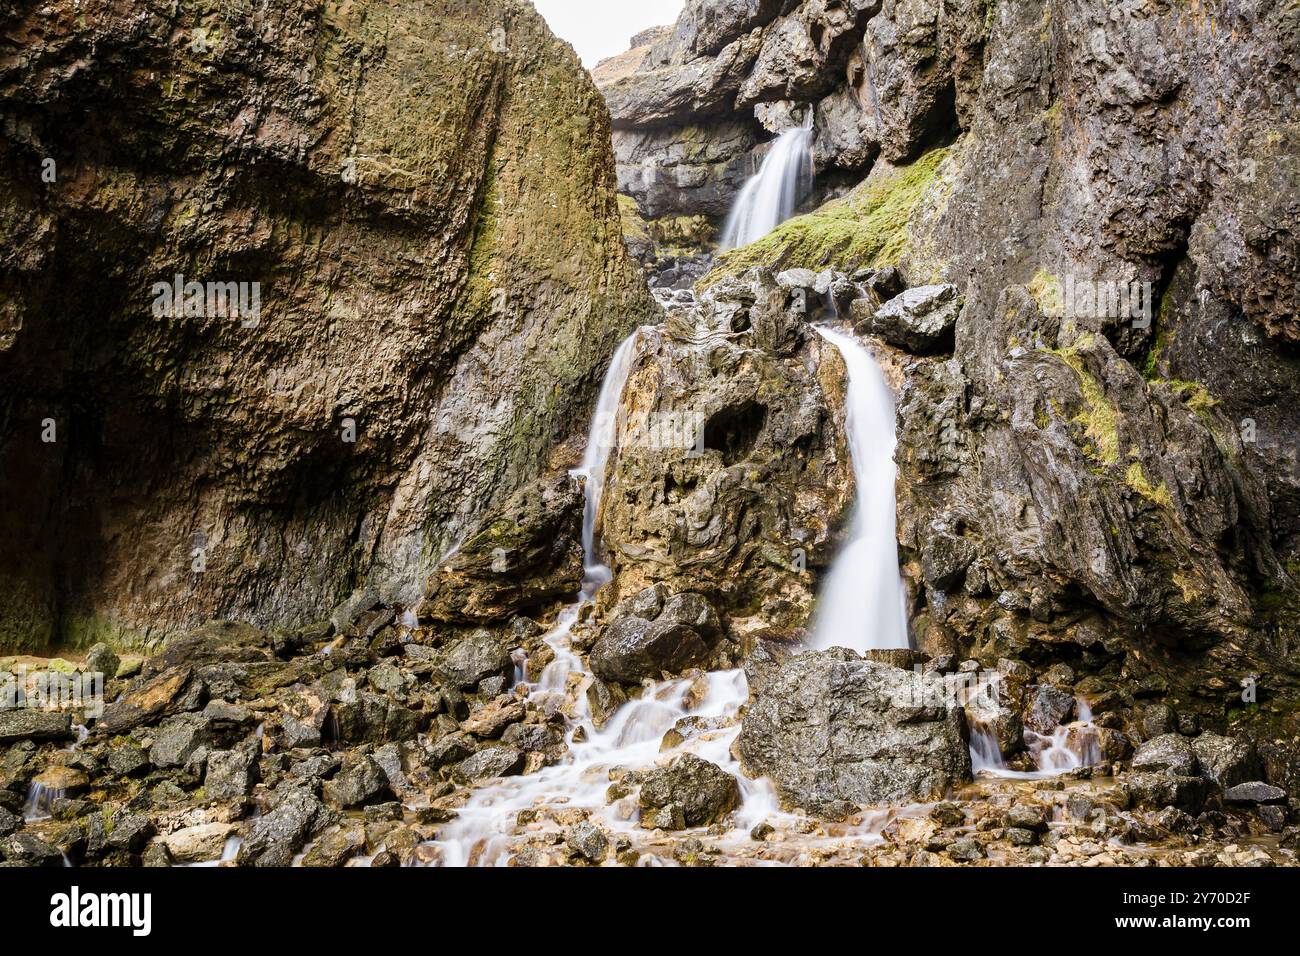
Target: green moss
{"x": 1137, "y": 480}
{"x": 630, "y": 215}
{"x": 1045, "y": 289}
{"x": 1195, "y": 394}
{"x": 1099, "y": 419}
{"x": 867, "y": 228}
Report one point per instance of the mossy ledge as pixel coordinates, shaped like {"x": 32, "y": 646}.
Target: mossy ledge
{"x": 866, "y": 228}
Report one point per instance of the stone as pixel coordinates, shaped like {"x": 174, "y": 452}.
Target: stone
{"x": 1226, "y": 761}
{"x": 101, "y": 659}
{"x": 26, "y": 724}
{"x": 335, "y": 847}
{"x": 1158, "y": 790}
{"x": 29, "y": 849}
{"x": 179, "y": 738}
{"x": 830, "y": 727}
{"x": 588, "y": 841}
{"x": 1254, "y": 791}
{"x": 680, "y": 637}
{"x": 1026, "y": 816}
{"x": 145, "y": 700}
{"x": 704, "y": 792}
{"x": 273, "y": 838}
{"x": 230, "y": 774}
{"x": 198, "y": 844}
{"x": 9, "y": 822}
{"x": 1047, "y": 708}
{"x": 361, "y": 781}
{"x": 494, "y": 717}
{"x": 1168, "y": 753}
{"x": 920, "y": 320}
{"x": 499, "y": 760}
{"x": 473, "y": 658}
{"x": 130, "y": 832}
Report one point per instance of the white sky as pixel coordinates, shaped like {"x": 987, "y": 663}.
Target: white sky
{"x": 601, "y": 28}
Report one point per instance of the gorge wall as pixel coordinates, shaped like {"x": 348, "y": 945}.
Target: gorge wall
{"x": 1107, "y": 485}
{"x": 423, "y": 193}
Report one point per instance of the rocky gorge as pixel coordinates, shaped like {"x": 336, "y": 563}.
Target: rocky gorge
{"x": 503, "y": 535}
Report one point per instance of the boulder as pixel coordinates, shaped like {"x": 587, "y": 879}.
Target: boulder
{"x": 1253, "y": 792}
{"x": 231, "y": 774}
{"x": 681, "y": 636}
{"x": 274, "y": 838}
{"x": 475, "y": 657}
{"x": 361, "y": 781}
{"x": 1168, "y": 753}
{"x": 25, "y": 724}
{"x": 588, "y": 841}
{"x": 198, "y": 844}
{"x": 1047, "y": 707}
{"x": 920, "y": 320}
{"x": 1226, "y": 761}
{"x": 1155, "y": 791}
{"x": 830, "y": 727}
{"x": 101, "y": 659}
{"x": 145, "y": 700}
{"x": 500, "y": 760}
{"x": 179, "y": 738}
{"x": 689, "y": 789}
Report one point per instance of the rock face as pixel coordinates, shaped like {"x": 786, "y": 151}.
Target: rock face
{"x": 424, "y": 194}
{"x": 1094, "y": 437}
{"x": 829, "y": 728}
{"x": 731, "y": 475}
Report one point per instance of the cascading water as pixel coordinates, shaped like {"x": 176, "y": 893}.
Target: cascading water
{"x": 771, "y": 197}
{"x": 862, "y": 604}
{"x": 480, "y": 834}
{"x": 864, "y": 595}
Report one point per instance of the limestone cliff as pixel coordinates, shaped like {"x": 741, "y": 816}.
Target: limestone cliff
{"x": 424, "y": 194}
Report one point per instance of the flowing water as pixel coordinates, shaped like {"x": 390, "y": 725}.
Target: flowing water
{"x": 862, "y": 604}
{"x": 771, "y": 197}
{"x": 704, "y": 711}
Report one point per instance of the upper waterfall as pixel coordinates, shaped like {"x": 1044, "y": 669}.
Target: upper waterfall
{"x": 771, "y": 197}
{"x": 861, "y": 605}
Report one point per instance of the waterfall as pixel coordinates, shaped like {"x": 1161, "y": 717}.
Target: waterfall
{"x": 600, "y": 442}
{"x": 770, "y": 198}
{"x": 862, "y": 603}
{"x": 481, "y": 833}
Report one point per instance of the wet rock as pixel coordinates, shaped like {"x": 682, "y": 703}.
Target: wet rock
{"x": 494, "y": 717}
{"x": 966, "y": 850}
{"x": 944, "y": 560}
{"x": 67, "y": 781}
{"x": 829, "y": 727}
{"x": 373, "y": 718}
{"x": 680, "y": 637}
{"x": 30, "y": 850}
{"x": 1047, "y": 708}
{"x": 702, "y": 791}
{"x": 1027, "y": 817}
{"x": 361, "y": 781}
{"x": 274, "y": 838}
{"x": 1254, "y": 791}
{"x": 450, "y": 749}
{"x": 1226, "y": 761}
{"x": 231, "y": 774}
{"x": 535, "y": 738}
{"x": 496, "y": 761}
{"x": 1168, "y": 753}
{"x": 145, "y": 700}
{"x": 27, "y": 724}
{"x": 9, "y": 822}
{"x": 198, "y": 844}
{"x": 1158, "y": 790}
{"x": 179, "y": 738}
{"x": 130, "y": 832}
{"x": 919, "y": 320}
{"x": 101, "y": 659}
{"x": 473, "y": 658}
{"x": 604, "y": 698}
{"x": 589, "y": 841}
{"x": 335, "y": 847}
